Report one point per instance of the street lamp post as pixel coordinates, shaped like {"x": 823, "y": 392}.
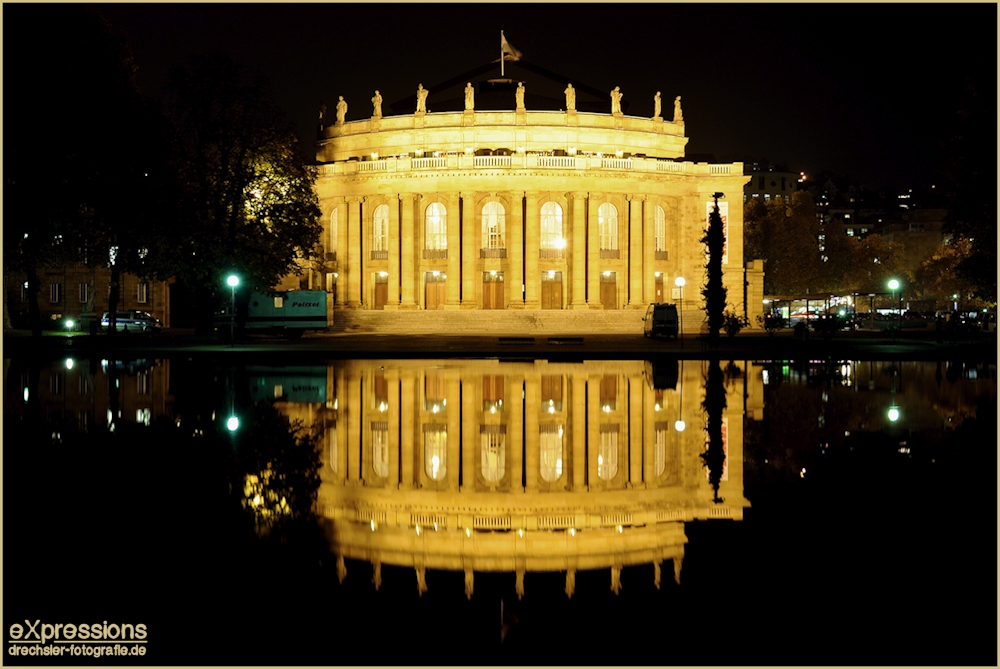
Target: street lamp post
{"x": 894, "y": 286}
{"x": 232, "y": 281}
{"x": 679, "y": 282}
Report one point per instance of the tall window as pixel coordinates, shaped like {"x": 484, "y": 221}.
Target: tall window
{"x": 436, "y": 227}
{"x": 493, "y": 225}
{"x": 435, "y": 451}
{"x": 493, "y": 452}
{"x": 659, "y": 449}
{"x": 143, "y": 294}
{"x": 84, "y": 292}
{"x": 550, "y": 445}
{"x": 55, "y": 293}
{"x": 380, "y": 228}
{"x": 552, "y": 228}
{"x": 607, "y": 454}
{"x": 607, "y": 224}
{"x": 661, "y": 230}
{"x": 331, "y": 447}
{"x": 331, "y": 246}
{"x": 380, "y": 448}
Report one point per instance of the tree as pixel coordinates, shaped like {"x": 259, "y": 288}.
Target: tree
{"x": 714, "y": 292}
{"x": 937, "y": 276}
{"x": 247, "y": 201}
{"x": 875, "y": 260}
{"x": 785, "y": 234}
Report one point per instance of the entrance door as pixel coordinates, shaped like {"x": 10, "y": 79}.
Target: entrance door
{"x": 552, "y": 297}
{"x": 381, "y": 290}
{"x": 658, "y": 288}
{"x": 609, "y": 290}
{"x": 493, "y": 290}
{"x": 434, "y": 290}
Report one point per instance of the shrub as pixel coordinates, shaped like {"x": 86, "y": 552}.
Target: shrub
{"x": 770, "y": 323}
{"x": 732, "y": 323}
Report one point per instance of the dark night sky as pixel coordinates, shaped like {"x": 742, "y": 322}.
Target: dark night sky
{"x": 860, "y": 89}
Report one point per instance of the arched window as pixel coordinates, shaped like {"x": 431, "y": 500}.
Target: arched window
{"x": 493, "y": 455}
{"x": 552, "y": 228}
{"x": 380, "y": 228}
{"x": 661, "y": 229}
{"x": 333, "y": 453}
{"x": 435, "y": 451}
{"x": 551, "y": 451}
{"x": 494, "y": 220}
{"x": 659, "y": 450}
{"x": 607, "y": 224}
{"x": 380, "y": 448}
{"x": 334, "y": 222}
{"x": 436, "y": 227}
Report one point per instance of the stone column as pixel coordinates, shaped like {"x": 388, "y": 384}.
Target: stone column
{"x": 515, "y": 249}
{"x": 342, "y": 225}
{"x": 578, "y": 431}
{"x": 636, "y": 245}
{"x": 454, "y": 253}
{"x": 594, "y": 482}
{"x": 649, "y": 255}
{"x": 593, "y": 253}
{"x": 354, "y": 229}
{"x": 353, "y": 403}
{"x": 532, "y": 400}
{"x": 578, "y": 260}
{"x": 409, "y": 249}
{"x": 636, "y": 384}
{"x": 396, "y": 247}
{"x": 470, "y": 441}
{"x": 393, "y": 383}
{"x": 452, "y": 392}
{"x": 470, "y": 251}
{"x": 514, "y": 434}
{"x": 407, "y": 427}
{"x": 531, "y": 234}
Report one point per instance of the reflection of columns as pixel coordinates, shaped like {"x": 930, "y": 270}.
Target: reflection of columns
{"x": 656, "y": 575}
{"x": 578, "y": 260}
{"x": 470, "y": 442}
{"x": 648, "y": 254}
{"x": 678, "y": 563}
{"x": 469, "y": 251}
{"x": 532, "y": 234}
{"x": 513, "y": 283}
{"x": 532, "y": 401}
{"x": 593, "y": 430}
{"x": 352, "y": 406}
{"x": 454, "y": 252}
{"x": 514, "y": 434}
{"x": 649, "y": 416}
{"x": 578, "y": 432}
{"x": 454, "y": 436}
{"x": 593, "y": 254}
{"x": 393, "y": 385}
{"x": 409, "y": 248}
{"x": 341, "y": 427}
{"x": 354, "y": 229}
{"x": 407, "y": 420}
{"x": 636, "y": 246}
{"x": 635, "y": 431}
{"x": 396, "y": 245}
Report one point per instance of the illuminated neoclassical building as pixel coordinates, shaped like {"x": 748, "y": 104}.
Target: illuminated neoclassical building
{"x": 503, "y": 208}
{"x": 490, "y": 466}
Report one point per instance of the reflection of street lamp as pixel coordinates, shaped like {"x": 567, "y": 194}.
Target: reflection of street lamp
{"x": 679, "y": 424}
{"x": 233, "y": 281}
{"x": 679, "y": 282}
{"x": 894, "y": 286}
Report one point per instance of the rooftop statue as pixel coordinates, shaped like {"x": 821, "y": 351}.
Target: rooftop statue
{"x": 656, "y": 105}
{"x": 341, "y": 111}
{"x": 469, "y": 97}
{"x": 616, "y": 101}
{"x": 520, "y": 95}
{"x": 570, "y": 98}
{"x": 421, "y": 98}
{"x": 678, "y": 115}
{"x": 377, "y": 103}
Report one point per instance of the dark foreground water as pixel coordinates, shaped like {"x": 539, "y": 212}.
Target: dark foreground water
{"x": 437, "y": 512}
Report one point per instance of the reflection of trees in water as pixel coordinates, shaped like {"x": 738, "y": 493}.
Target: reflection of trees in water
{"x": 715, "y": 403}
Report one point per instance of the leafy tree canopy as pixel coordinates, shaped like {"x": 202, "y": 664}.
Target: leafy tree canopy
{"x": 784, "y": 233}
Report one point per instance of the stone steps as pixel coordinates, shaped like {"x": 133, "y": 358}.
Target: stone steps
{"x": 554, "y": 322}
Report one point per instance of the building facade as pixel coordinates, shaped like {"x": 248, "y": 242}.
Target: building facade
{"x": 531, "y": 216}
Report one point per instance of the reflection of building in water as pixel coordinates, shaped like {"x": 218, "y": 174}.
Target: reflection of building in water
{"x": 518, "y": 467}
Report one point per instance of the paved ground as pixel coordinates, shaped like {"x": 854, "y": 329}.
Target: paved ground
{"x": 921, "y": 345}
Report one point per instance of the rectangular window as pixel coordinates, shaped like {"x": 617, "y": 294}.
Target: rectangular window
{"x": 381, "y": 234}
{"x": 661, "y": 231}
{"x": 84, "y": 293}
{"x": 143, "y": 293}
{"x": 850, "y": 232}
{"x": 609, "y": 392}
{"x": 55, "y": 293}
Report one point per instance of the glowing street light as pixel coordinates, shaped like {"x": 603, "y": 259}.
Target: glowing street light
{"x": 894, "y": 286}
{"x": 233, "y": 423}
{"x": 232, "y": 281}
{"x": 679, "y": 282}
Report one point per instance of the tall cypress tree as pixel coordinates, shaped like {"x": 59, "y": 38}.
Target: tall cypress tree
{"x": 714, "y": 292}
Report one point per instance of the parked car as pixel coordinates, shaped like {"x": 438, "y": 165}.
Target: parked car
{"x": 132, "y": 320}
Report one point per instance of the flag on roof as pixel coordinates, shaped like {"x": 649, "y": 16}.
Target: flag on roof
{"x": 507, "y": 49}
